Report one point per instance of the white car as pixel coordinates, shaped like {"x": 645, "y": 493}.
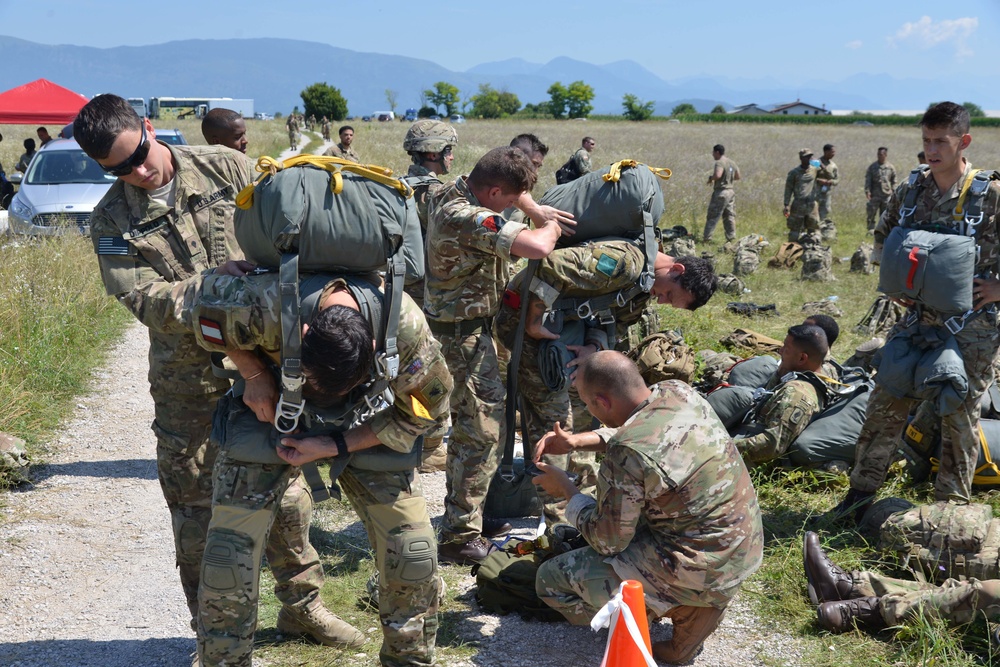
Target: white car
{"x": 58, "y": 191}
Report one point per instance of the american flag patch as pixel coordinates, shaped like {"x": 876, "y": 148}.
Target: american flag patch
{"x": 112, "y": 245}
{"x": 211, "y": 331}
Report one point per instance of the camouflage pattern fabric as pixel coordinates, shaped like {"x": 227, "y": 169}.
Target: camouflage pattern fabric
{"x": 817, "y": 259}
{"x": 664, "y": 356}
{"x": 342, "y": 151}
{"x": 14, "y": 459}
{"x": 782, "y": 417}
{"x": 828, "y": 229}
{"x": 293, "y": 126}
{"x": 722, "y": 203}
{"x": 977, "y": 341}
{"x": 581, "y": 160}
{"x": 714, "y": 368}
{"x": 828, "y": 171}
{"x": 675, "y": 510}
{"x": 787, "y": 256}
{"x": 149, "y": 281}
{"x": 747, "y": 254}
{"x": 680, "y": 246}
{"x": 880, "y": 182}
{"x": 957, "y": 602}
{"x": 825, "y": 307}
{"x": 325, "y": 129}
{"x": 881, "y": 317}
{"x": 861, "y": 260}
{"x": 731, "y": 284}
{"x": 803, "y": 213}
{"x": 751, "y": 340}
{"x": 421, "y": 193}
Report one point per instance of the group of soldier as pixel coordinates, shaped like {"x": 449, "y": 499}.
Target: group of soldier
{"x": 670, "y": 504}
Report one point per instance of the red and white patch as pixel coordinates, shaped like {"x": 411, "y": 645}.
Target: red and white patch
{"x": 488, "y": 221}
{"x": 211, "y": 331}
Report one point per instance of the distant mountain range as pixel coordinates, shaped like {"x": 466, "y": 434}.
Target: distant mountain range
{"x": 274, "y": 71}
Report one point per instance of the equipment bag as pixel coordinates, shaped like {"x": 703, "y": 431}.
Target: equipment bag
{"x": 943, "y": 541}
{"x": 832, "y": 434}
{"x": 752, "y": 340}
{"x": 664, "y": 356}
{"x": 512, "y": 498}
{"x": 923, "y": 437}
{"x": 746, "y": 258}
{"x": 881, "y": 317}
{"x": 788, "y": 254}
{"x": 861, "y": 260}
{"x": 568, "y": 172}
{"x": 817, "y": 259}
{"x": 932, "y": 268}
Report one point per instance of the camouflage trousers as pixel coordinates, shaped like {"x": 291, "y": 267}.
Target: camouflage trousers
{"x": 247, "y": 499}
{"x": 875, "y": 208}
{"x": 803, "y": 217}
{"x": 954, "y": 601}
{"x": 185, "y": 457}
{"x": 578, "y": 583}
{"x": 886, "y": 418}
{"x": 722, "y": 204}
{"x": 477, "y": 406}
{"x": 824, "y": 202}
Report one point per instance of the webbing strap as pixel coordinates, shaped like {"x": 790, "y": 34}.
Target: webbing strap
{"x": 962, "y": 193}
{"x": 914, "y": 258}
{"x": 388, "y": 366}
{"x": 290, "y": 403}
{"x": 510, "y": 407}
{"x": 268, "y": 166}
{"x": 317, "y": 486}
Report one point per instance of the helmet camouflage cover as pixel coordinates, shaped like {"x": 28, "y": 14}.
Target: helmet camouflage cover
{"x": 429, "y": 136}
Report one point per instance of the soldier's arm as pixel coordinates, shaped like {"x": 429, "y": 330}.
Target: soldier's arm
{"x": 868, "y": 183}
{"x": 736, "y": 172}
{"x": 789, "y": 188}
{"x": 609, "y": 521}
{"x": 717, "y": 173}
{"x": 834, "y": 176}
{"x": 892, "y": 178}
{"x": 535, "y": 243}
{"x": 889, "y": 219}
{"x": 783, "y": 418}
{"x": 542, "y": 215}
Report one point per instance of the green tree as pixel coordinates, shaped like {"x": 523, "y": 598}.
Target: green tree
{"x": 974, "y": 109}
{"x": 492, "y": 103}
{"x": 578, "y": 100}
{"x": 636, "y": 109}
{"x": 391, "y": 98}
{"x": 426, "y": 112}
{"x": 443, "y": 95}
{"x": 683, "y": 109}
{"x": 718, "y": 108}
{"x": 557, "y": 99}
{"x": 322, "y": 99}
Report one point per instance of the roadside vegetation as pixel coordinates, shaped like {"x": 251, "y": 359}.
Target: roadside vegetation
{"x": 55, "y": 322}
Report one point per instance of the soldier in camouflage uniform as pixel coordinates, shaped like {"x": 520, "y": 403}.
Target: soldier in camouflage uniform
{"x": 793, "y": 401}
{"x": 880, "y": 183}
{"x": 826, "y": 180}
{"x": 293, "y": 126}
{"x": 247, "y": 314}
{"x": 343, "y": 149}
{"x": 945, "y": 129}
{"x": 675, "y": 508}
{"x": 469, "y": 248}
{"x": 165, "y": 195}
{"x": 582, "y": 272}
{"x": 581, "y": 158}
{"x": 800, "y": 197}
{"x": 723, "y": 201}
{"x": 325, "y": 128}
{"x": 225, "y": 127}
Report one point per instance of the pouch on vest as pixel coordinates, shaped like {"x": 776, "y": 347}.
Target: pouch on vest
{"x": 932, "y": 268}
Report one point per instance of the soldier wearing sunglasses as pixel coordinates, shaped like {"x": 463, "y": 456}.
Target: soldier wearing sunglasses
{"x": 168, "y": 218}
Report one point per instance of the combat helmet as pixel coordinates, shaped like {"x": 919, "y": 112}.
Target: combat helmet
{"x": 429, "y": 136}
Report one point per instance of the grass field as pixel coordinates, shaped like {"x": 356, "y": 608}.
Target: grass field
{"x": 764, "y": 153}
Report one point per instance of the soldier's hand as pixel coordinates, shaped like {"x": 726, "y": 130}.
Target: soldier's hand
{"x": 556, "y": 441}
{"x": 785, "y": 211}
{"x": 261, "y": 396}
{"x": 985, "y": 291}
{"x": 299, "y": 451}
{"x": 581, "y": 352}
{"x": 555, "y": 481}
{"x": 235, "y": 267}
{"x": 545, "y": 215}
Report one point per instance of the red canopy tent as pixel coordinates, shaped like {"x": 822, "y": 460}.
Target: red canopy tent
{"x": 40, "y": 102}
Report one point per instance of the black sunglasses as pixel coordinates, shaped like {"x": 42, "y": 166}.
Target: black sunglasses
{"x": 138, "y": 156}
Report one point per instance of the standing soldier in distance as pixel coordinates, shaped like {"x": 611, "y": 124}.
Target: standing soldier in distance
{"x": 293, "y": 131}
{"x": 800, "y": 199}
{"x": 826, "y": 180}
{"x": 343, "y": 149}
{"x": 880, "y": 182}
{"x": 581, "y": 158}
{"x": 722, "y": 203}
{"x": 325, "y": 128}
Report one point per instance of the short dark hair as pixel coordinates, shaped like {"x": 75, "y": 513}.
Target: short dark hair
{"x": 811, "y": 339}
{"x": 827, "y": 147}
{"x": 698, "y": 278}
{"x": 882, "y": 148}
{"x": 218, "y": 120}
{"x": 719, "y": 148}
{"x": 344, "y": 127}
{"x": 337, "y": 353}
{"x": 529, "y": 144}
{"x": 42, "y": 129}
{"x": 827, "y": 324}
{"x": 587, "y": 139}
{"x": 948, "y": 115}
{"x": 100, "y": 121}
{"x": 29, "y": 144}
{"x": 921, "y": 156}
{"x": 610, "y": 373}
{"x": 506, "y": 168}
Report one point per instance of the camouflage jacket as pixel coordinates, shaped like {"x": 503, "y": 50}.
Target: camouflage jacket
{"x": 828, "y": 172}
{"x": 468, "y": 255}
{"x": 581, "y": 160}
{"x": 675, "y": 507}
{"x": 143, "y": 248}
{"x": 729, "y": 170}
{"x": 799, "y": 186}
{"x": 422, "y": 192}
{"x": 936, "y": 207}
{"x": 339, "y": 150}
{"x": 880, "y": 180}
{"x": 245, "y": 314}
{"x": 579, "y": 272}
{"x": 781, "y": 419}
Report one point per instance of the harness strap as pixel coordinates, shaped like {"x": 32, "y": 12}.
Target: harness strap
{"x": 290, "y": 403}
{"x": 510, "y": 407}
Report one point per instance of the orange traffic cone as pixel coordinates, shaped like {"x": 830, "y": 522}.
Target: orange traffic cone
{"x": 628, "y": 638}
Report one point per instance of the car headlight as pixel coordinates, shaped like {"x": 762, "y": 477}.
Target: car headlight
{"x": 20, "y": 209}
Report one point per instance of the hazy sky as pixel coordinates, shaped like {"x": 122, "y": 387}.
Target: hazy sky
{"x": 790, "y": 42}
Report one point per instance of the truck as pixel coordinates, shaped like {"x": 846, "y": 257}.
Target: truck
{"x": 139, "y": 105}
{"x": 197, "y": 107}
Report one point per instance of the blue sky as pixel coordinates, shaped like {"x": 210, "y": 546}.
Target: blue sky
{"x": 789, "y": 42}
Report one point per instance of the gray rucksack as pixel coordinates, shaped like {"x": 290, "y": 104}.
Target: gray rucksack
{"x": 817, "y": 259}
{"x": 861, "y": 260}
{"x": 746, "y": 258}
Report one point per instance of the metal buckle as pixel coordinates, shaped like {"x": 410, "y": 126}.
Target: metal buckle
{"x": 388, "y": 366}
{"x": 973, "y": 223}
{"x": 646, "y": 281}
{"x": 956, "y": 323}
{"x": 583, "y": 311}
{"x": 606, "y": 317}
{"x": 620, "y": 299}
{"x": 287, "y": 413}
{"x": 905, "y": 213}
{"x": 507, "y": 472}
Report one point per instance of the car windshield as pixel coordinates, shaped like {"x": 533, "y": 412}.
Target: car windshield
{"x": 174, "y": 139}
{"x": 70, "y": 166}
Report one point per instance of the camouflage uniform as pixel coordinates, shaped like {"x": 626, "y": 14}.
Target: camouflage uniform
{"x": 342, "y": 151}
{"x": 800, "y": 198}
{"x": 824, "y": 193}
{"x": 589, "y": 270}
{"x": 468, "y": 256}
{"x": 723, "y": 201}
{"x": 390, "y": 504}
{"x": 880, "y": 181}
{"x": 24, "y": 161}
{"x": 977, "y": 341}
{"x": 422, "y": 190}
{"x": 781, "y": 419}
{"x": 957, "y": 602}
{"x": 166, "y": 247}
{"x": 675, "y": 510}
{"x": 325, "y": 129}
{"x": 581, "y": 160}
{"x": 293, "y": 131}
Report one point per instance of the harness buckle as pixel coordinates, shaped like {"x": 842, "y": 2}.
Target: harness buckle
{"x": 646, "y": 281}
{"x": 620, "y": 299}
{"x": 956, "y": 323}
{"x": 388, "y": 366}
{"x": 905, "y": 213}
{"x": 583, "y": 311}
{"x": 606, "y": 317}
{"x": 286, "y": 418}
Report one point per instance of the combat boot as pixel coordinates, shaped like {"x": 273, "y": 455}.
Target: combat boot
{"x": 464, "y": 553}
{"x": 495, "y": 527}
{"x": 847, "y": 512}
{"x": 843, "y": 615}
{"x": 692, "y": 625}
{"x": 319, "y": 623}
{"x": 825, "y": 581}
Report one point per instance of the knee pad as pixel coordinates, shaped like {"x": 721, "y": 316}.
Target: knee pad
{"x": 190, "y": 528}
{"x": 406, "y": 546}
